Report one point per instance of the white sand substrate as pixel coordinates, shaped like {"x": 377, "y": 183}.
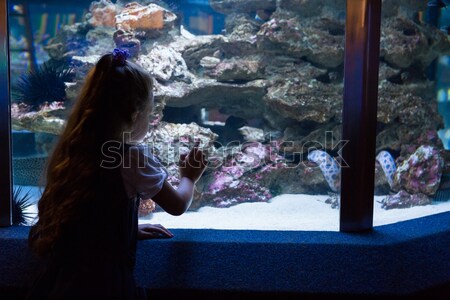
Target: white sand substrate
{"x": 284, "y": 212}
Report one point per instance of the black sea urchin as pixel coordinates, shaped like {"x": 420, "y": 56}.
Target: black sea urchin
{"x": 21, "y": 201}
{"x": 46, "y": 84}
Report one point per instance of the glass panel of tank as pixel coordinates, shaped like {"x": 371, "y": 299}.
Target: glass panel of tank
{"x": 259, "y": 83}
{"x": 412, "y": 163}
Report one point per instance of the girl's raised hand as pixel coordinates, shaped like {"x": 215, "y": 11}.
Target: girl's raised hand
{"x": 193, "y": 164}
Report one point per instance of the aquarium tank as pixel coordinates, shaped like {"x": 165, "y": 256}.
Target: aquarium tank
{"x": 260, "y": 84}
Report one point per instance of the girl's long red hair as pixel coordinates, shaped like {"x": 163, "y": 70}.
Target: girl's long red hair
{"x": 111, "y": 95}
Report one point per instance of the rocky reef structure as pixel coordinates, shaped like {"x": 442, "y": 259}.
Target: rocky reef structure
{"x": 283, "y": 72}
{"x": 403, "y": 199}
{"x": 421, "y": 172}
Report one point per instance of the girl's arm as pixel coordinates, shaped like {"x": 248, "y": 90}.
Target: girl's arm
{"x": 177, "y": 201}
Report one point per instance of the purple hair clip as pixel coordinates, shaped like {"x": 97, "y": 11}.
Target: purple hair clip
{"x": 120, "y": 56}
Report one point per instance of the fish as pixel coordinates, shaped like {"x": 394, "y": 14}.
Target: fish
{"x": 331, "y": 170}
{"x": 329, "y": 167}
{"x": 388, "y": 165}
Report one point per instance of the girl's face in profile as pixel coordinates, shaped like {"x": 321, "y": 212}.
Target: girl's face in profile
{"x": 140, "y": 126}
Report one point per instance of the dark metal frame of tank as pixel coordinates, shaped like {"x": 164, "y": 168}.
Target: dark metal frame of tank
{"x": 359, "y": 116}
{"x": 5, "y": 121}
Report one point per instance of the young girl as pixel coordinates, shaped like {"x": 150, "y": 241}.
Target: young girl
{"x": 88, "y": 227}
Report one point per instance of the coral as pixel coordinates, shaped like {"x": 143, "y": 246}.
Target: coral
{"x": 70, "y": 40}
{"x": 99, "y": 39}
{"x": 404, "y": 43}
{"x": 283, "y": 36}
{"x": 427, "y": 137}
{"x": 209, "y": 62}
{"x": 243, "y": 174}
{"x": 165, "y": 64}
{"x": 404, "y": 200}
{"x": 146, "y": 207}
{"x": 239, "y": 70}
{"x": 401, "y": 42}
{"x": 168, "y": 140}
{"x": 241, "y": 26}
{"x": 135, "y": 16}
{"x": 103, "y": 13}
{"x": 46, "y": 84}
{"x": 240, "y": 192}
{"x": 402, "y": 104}
{"x": 237, "y": 170}
{"x": 287, "y": 72}
{"x": 301, "y": 38}
{"x": 333, "y": 199}
{"x": 46, "y": 119}
{"x": 421, "y": 172}
{"x": 252, "y": 134}
{"x": 127, "y": 40}
{"x": 234, "y": 183}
